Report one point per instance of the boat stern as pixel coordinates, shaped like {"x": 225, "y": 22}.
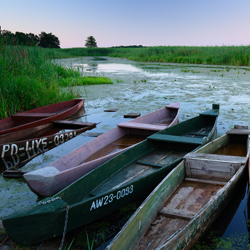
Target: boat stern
{"x": 37, "y": 223}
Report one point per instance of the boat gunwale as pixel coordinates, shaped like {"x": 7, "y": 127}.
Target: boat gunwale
{"x": 76, "y": 105}
{"x": 204, "y": 210}
{"x": 136, "y": 217}
{"x": 105, "y": 138}
{"x": 141, "y": 144}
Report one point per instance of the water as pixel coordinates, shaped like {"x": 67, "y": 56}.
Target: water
{"x": 145, "y": 87}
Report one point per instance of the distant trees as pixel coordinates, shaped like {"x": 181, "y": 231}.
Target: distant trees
{"x": 90, "y": 42}
{"x": 46, "y": 40}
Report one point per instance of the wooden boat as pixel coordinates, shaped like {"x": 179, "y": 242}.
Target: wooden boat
{"x": 189, "y": 198}
{"x": 40, "y": 116}
{"x": 125, "y": 178}
{"x": 42, "y": 137}
{"x": 72, "y": 166}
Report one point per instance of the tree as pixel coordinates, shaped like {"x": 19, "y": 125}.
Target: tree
{"x": 32, "y": 39}
{"x": 48, "y": 40}
{"x": 8, "y": 37}
{"x": 90, "y": 42}
{"x": 21, "y": 38}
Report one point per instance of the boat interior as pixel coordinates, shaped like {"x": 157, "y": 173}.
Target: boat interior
{"x": 131, "y": 134}
{"x": 168, "y": 149}
{"x": 206, "y": 174}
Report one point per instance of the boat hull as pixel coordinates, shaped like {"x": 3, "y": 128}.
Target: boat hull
{"x": 40, "y": 116}
{"x": 43, "y": 143}
{"x": 125, "y": 178}
{"x": 186, "y": 226}
{"x": 69, "y": 168}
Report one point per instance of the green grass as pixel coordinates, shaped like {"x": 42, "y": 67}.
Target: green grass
{"x": 224, "y": 55}
{"x": 233, "y": 55}
{"x": 28, "y": 79}
{"x": 85, "y": 80}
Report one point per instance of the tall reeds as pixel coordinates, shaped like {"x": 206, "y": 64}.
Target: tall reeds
{"x": 28, "y": 80}
{"x": 233, "y": 55}
{"x": 224, "y": 55}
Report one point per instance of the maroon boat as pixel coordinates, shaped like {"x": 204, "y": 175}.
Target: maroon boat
{"x": 40, "y": 116}
{"x": 72, "y": 166}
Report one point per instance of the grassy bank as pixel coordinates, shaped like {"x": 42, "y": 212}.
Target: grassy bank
{"x": 28, "y": 79}
{"x": 225, "y": 55}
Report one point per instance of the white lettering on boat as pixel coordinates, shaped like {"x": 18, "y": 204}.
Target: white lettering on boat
{"x": 105, "y": 200}
{"x": 42, "y": 143}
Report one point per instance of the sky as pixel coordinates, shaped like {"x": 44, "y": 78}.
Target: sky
{"x": 132, "y": 22}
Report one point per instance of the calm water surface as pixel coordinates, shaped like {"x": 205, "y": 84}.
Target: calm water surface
{"x": 145, "y": 87}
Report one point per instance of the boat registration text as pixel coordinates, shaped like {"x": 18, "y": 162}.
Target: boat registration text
{"x": 105, "y": 200}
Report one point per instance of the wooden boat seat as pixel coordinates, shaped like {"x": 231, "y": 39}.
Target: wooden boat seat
{"x": 154, "y": 165}
{"x": 145, "y": 126}
{"x": 198, "y": 134}
{"x": 73, "y": 124}
{"x": 212, "y": 166}
{"x": 175, "y": 138}
{"x": 217, "y": 183}
{"x": 34, "y": 114}
{"x": 177, "y": 213}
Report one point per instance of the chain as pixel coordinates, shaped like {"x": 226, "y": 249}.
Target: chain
{"x": 46, "y": 202}
{"x": 65, "y": 227}
{"x": 66, "y": 218}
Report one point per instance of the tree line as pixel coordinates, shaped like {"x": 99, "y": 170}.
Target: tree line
{"x": 45, "y": 40}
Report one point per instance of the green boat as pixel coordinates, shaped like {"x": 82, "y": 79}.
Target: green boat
{"x": 130, "y": 176}
{"x": 190, "y": 198}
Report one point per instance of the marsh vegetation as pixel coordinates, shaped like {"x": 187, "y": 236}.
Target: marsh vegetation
{"x": 227, "y": 55}
{"x": 29, "y": 79}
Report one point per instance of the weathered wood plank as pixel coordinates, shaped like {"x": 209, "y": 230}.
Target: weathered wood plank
{"x": 150, "y": 164}
{"x": 217, "y": 167}
{"x": 13, "y": 174}
{"x": 174, "y": 138}
{"x": 137, "y": 125}
{"x": 238, "y": 132}
{"x": 33, "y": 114}
{"x": 215, "y": 157}
{"x": 177, "y": 213}
{"x": 73, "y": 124}
{"x": 111, "y": 110}
{"x": 218, "y": 183}
{"x": 131, "y": 115}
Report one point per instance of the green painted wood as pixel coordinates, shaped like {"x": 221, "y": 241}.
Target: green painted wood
{"x": 110, "y": 186}
{"x": 140, "y": 221}
{"x": 174, "y": 138}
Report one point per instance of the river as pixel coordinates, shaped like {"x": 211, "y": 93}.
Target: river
{"x": 145, "y": 87}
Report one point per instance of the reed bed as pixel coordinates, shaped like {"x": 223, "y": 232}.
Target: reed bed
{"x": 237, "y": 56}
{"x": 28, "y": 79}
{"x": 225, "y": 55}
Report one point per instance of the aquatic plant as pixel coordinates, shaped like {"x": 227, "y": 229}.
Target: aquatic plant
{"x": 213, "y": 241}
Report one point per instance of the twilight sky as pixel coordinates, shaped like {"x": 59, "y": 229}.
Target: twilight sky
{"x": 132, "y": 22}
